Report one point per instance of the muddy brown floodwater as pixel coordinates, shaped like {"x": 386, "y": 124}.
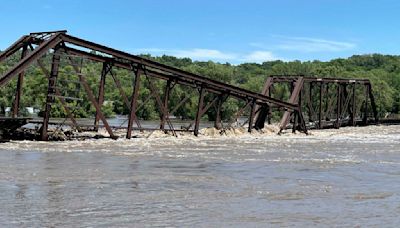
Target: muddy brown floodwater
{"x": 348, "y": 177}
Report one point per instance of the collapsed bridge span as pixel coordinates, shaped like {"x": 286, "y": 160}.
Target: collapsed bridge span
{"x": 66, "y": 49}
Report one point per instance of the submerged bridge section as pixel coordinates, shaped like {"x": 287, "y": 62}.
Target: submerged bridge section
{"x": 301, "y": 110}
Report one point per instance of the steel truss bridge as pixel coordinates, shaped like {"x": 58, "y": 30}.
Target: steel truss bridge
{"x": 313, "y": 102}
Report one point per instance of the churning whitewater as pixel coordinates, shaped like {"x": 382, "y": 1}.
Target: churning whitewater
{"x": 345, "y": 177}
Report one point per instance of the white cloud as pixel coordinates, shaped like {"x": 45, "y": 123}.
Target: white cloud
{"x": 307, "y": 44}
{"x": 205, "y": 54}
{"x": 215, "y": 55}
{"x": 196, "y": 53}
{"x": 259, "y": 57}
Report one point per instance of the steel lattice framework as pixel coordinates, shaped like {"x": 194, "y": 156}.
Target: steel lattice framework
{"x": 36, "y": 45}
{"x": 324, "y": 102}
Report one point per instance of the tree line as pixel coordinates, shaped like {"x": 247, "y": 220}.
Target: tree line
{"x": 382, "y": 70}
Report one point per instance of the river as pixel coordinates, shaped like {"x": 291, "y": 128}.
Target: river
{"x": 348, "y": 177}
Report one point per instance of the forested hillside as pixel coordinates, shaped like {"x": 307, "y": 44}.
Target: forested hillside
{"x": 382, "y": 70}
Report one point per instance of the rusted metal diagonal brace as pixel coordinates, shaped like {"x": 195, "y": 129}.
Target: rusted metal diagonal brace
{"x": 14, "y": 47}
{"x": 208, "y": 83}
{"x": 92, "y": 98}
{"x": 263, "y": 111}
{"x": 239, "y": 113}
{"x": 135, "y": 96}
{"x": 100, "y": 98}
{"x": 182, "y": 102}
{"x": 218, "y": 110}
{"x": 205, "y": 109}
{"x": 151, "y": 95}
{"x": 123, "y": 94}
{"x": 163, "y": 109}
{"x": 58, "y": 93}
{"x": 31, "y": 58}
{"x": 294, "y": 100}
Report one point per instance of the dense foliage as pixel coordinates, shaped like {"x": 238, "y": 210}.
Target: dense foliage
{"x": 382, "y": 70}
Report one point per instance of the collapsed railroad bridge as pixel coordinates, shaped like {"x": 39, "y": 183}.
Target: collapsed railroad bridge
{"x": 313, "y": 103}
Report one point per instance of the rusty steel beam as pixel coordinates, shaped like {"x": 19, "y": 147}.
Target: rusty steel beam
{"x": 120, "y": 89}
{"x": 373, "y": 105}
{"x": 218, "y": 110}
{"x": 157, "y": 74}
{"x": 199, "y": 110}
{"x": 208, "y": 83}
{"x": 165, "y": 114}
{"x": 92, "y": 98}
{"x": 48, "y": 40}
{"x": 135, "y": 96}
{"x": 160, "y": 103}
{"x": 100, "y": 98}
{"x": 123, "y": 65}
{"x": 97, "y": 106}
{"x": 293, "y": 100}
{"x": 365, "y": 117}
{"x": 295, "y": 118}
{"x": 311, "y": 110}
{"x": 50, "y": 91}
{"x": 261, "y": 116}
{"x": 320, "y": 106}
{"x": 353, "y": 106}
{"x": 58, "y": 93}
{"x": 208, "y": 106}
{"x": 347, "y": 106}
{"x": 17, "y": 45}
{"x": 20, "y": 83}
{"x": 251, "y": 117}
{"x": 290, "y": 78}
{"x": 180, "y": 104}
{"x": 303, "y": 126}
{"x": 31, "y": 58}
{"x": 239, "y": 113}
{"x": 327, "y": 102}
{"x": 338, "y": 105}
{"x": 42, "y": 35}
{"x": 124, "y": 96}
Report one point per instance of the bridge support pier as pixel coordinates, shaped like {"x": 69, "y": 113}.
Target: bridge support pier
{"x": 164, "y": 109}
{"x": 365, "y": 117}
{"x": 135, "y": 96}
{"x": 218, "y": 109}
{"x": 353, "y": 106}
{"x": 373, "y": 104}
{"x": 321, "y": 95}
{"x": 338, "y": 106}
{"x": 20, "y": 82}
{"x": 252, "y": 114}
{"x": 51, "y": 90}
{"x": 199, "y": 111}
{"x": 100, "y": 98}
